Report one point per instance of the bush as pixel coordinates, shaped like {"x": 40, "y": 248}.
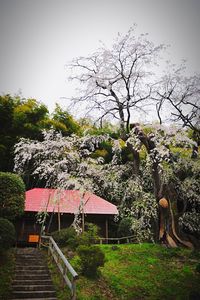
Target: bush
{"x": 7, "y": 234}
{"x": 12, "y": 195}
{"x": 105, "y": 151}
{"x": 198, "y": 267}
{"x": 92, "y": 258}
{"x": 89, "y": 236}
{"x": 124, "y": 228}
{"x": 65, "y": 237}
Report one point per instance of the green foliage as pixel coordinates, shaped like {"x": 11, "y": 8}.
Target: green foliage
{"x": 124, "y": 228}
{"x": 18, "y": 118}
{"x": 7, "y": 234}
{"x": 198, "y": 267}
{"x": 179, "y": 152}
{"x": 6, "y": 113}
{"x": 126, "y": 154}
{"x": 7, "y": 266}
{"x": 63, "y": 117}
{"x": 3, "y": 157}
{"x": 105, "y": 151}
{"x": 12, "y": 195}
{"x": 141, "y": 208}
{"x": 100, "y": 153}
{"x": 65, "y": 237}
{"x": 89, "y": 236}
{"x": 106, "y": 129}
{"x": 92, "y": 257}
{"x": 7, "y": 105}
{"x": 56, "y": 125}
{"x": 187, "y": 168}
{"x": 27, "y": 118}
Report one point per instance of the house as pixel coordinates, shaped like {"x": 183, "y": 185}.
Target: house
{"x": 61, "y": 206}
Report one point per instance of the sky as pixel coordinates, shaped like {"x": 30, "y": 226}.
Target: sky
{"x": 38, "y": 38}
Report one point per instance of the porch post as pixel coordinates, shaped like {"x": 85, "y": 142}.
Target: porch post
{"x": 107, "y": 230}
{"x": 58, "y": 217}
{"x": 83, "y": 221}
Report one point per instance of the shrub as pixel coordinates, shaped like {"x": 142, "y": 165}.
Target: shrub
{"x": 7, "y": 234}
{"x": 91, "y": 258}
{"x": 124, "y": 228}
{"x": 89, "y": 236}
{"x": 198, "y": 267}
{"x": 105, "y": 151}
{"x": 12, "y": 195}
{"x": 65, "y": 237}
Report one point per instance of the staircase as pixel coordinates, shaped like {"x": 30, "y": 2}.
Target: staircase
{"x": 32, "y": 279}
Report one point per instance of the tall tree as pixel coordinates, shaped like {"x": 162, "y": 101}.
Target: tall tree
{"x": 70, "y": 125}
{"x": 6, "y": 131}
{"x": 116, "y": 81}
{"x": 28, "y": 117}
{"x": 18, "y": 118}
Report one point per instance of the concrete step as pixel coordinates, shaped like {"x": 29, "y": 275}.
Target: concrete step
{"x": 31, "y": 258}
{"x": 33, "y": 287}
{"x": 27, "y": 250}
{"x": 47, "y": 298}
{"x": 34, "y": 272}
{"x": 31, "y": 282}
{"x": 30, "y": 268}
{"x": 32, "y": 295}
{"x": 26, "y": 264}
{"x": 21, "y": 258}
{"x": 26, "y": 254}
{"x": 32, "y": 278}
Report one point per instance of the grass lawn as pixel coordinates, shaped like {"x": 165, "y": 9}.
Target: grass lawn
{"x": 140, "y": 271}
{"x": 6, "y": 272}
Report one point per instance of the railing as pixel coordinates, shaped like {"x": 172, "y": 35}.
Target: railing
{"x": 126, "y": 239}
{"x": 68, "y": 273}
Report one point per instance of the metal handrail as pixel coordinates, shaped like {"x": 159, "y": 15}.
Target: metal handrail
{"x": 63, "y": 265}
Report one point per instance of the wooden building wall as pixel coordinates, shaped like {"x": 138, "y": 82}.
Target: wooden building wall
{"x": 27, "y": 225}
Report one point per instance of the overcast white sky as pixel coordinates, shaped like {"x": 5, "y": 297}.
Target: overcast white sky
{"x": 38, "y": 37}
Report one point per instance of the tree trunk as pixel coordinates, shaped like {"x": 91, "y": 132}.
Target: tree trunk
{"x": 156, "y": 180}
{"x": 168, "y": 228}
{"x": 196, "y": 138}
{"x": 194, "y": 152}
{"x": 167, "y": 225}
{"x": 136, "y": 158}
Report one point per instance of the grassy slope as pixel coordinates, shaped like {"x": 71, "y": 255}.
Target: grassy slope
{"x": 143, "y": 271}
{"x": 151, "y": 272}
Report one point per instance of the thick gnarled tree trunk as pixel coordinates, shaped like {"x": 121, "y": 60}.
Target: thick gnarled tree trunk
{"x": 168, "y": 228}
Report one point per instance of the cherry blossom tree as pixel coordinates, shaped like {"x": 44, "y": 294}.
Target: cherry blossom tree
{"x": 117, "y": 81}
{"x": 57, "y": 161}
{"x": 66, "y": 163}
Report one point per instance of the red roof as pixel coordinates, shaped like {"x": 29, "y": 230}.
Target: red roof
{"x": 40, "y": 199}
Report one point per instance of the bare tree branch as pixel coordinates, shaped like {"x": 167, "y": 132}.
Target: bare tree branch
{"x": 115, "y": 79}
